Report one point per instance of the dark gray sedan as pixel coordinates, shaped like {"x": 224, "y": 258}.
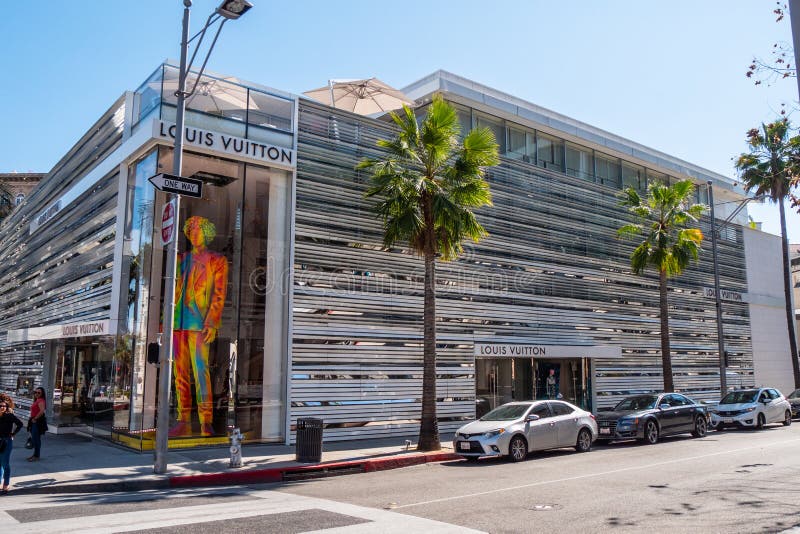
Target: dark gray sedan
{"x": 794, "y": 400}
{"x": 648, "y": 417}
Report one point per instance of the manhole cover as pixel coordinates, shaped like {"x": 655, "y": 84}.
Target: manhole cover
{"x": 545, "y": 507}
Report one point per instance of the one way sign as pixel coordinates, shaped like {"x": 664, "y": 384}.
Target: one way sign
{"x": 178, "y": 185}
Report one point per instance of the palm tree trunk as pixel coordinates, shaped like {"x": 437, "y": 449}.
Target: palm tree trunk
{"x": 666, "y": 356}
{"x": 787, "y": 292}
{"x": 429, "y": 426}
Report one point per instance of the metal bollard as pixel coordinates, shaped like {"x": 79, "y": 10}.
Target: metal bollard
{"x": 236, "y": 448}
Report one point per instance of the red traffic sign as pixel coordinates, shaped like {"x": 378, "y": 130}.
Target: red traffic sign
{"x": 168, "y": 221}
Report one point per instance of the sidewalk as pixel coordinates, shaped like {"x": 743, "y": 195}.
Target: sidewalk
{"x": 73, "y": 463}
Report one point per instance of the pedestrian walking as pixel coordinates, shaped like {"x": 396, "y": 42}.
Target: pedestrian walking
{"x": 10, "y": 426}
{"x": 37, "y": 422}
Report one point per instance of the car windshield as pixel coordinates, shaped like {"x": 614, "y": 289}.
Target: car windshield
{"x": 643, "y": 402}
{"x": 795, "y": 394}
{"x": 740, "y": 397}
{"x": 507, "y": 412}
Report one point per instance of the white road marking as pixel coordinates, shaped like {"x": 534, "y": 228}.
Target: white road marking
{"x": 6, "y": 519}
{"x": 591, "y": 475}
{"x": 265, "y": 502}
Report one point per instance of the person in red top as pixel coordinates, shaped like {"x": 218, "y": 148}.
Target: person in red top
{"x": 36, "y": 422}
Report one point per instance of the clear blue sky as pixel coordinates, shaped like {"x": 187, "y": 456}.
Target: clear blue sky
{"x": 669, "y": 75}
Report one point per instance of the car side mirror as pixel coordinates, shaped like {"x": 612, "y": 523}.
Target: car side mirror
{"x": 663, "y": 406}
{"x": 765, "y": 401}
{"x": 532, "y": 417}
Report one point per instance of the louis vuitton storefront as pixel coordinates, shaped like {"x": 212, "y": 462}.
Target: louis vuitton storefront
{"x": 108, "y": 259}
{"x": 288, "y": 305}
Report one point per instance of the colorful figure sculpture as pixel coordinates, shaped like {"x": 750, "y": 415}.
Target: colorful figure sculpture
{"x": 201, "y": 281}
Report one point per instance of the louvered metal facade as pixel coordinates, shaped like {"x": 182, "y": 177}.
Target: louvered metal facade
{"x": 551, "y": 273}
{"x": 61, "y": 272}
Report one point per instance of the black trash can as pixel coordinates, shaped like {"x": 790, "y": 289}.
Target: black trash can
{"x": 308, "y": 445}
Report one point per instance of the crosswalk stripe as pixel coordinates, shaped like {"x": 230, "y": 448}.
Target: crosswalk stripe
{"x": 265, "y": 502}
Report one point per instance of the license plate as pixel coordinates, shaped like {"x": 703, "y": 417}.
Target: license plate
{"x": 727, "y": 420}
{"x": 605, "y": 431}
{"x": 463, "y": 445}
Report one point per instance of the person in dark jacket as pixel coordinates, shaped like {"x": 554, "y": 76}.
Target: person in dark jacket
{"x": 10, "y": 426}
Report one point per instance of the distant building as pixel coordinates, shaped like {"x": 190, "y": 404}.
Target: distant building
{"x": 794, "y": 260}
{"x": 15, "y": 188}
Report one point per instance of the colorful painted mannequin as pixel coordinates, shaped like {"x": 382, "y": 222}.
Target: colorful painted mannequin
{"x": 201, "y": 281}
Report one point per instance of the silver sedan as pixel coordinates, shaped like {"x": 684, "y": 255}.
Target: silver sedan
{"x": 517, "y": 428}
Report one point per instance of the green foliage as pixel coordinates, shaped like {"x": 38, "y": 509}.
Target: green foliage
{"x": 663, "y": 218}
{"x": 429, "y": 182}
{"x": 773, "y": 160}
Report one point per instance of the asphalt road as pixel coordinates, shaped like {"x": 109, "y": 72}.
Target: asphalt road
{"x": 733, "y": 481}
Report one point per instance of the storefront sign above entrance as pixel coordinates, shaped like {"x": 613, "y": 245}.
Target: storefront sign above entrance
{"x": 227, "y": 144}
{"x": 58, "y": 331}
{"x": 169, "y": 183}
{"x": 546, "y": 351}
{"x": 724, "y": 294}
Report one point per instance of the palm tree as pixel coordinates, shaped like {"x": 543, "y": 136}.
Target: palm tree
{"x": 663, "y": 218}
{"x": 769, "y": 167}
{"x": 428, "y": 184}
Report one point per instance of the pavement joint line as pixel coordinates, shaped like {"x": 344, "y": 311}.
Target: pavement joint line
{"x": 591, "y": 475}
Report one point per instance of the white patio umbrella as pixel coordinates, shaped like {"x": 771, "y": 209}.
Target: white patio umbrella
{"x": 365, "y": 97}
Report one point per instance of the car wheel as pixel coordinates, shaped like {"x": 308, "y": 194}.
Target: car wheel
{"x": 787, "y": 418}
{"x": 650, "y": 432}
{"x": 760, "y": 421}
{"x": 517, "y": 449}
{"x": 700, "y": 427}
{"x": 584, "y": 443}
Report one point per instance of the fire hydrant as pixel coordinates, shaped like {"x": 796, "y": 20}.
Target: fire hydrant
{"x": 236, "y": 448}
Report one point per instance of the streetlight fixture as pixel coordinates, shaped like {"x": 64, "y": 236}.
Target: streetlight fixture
{"x": 723, "y": 382}
{"x": 723, "y": 364}
{"x": 228, "y": 10}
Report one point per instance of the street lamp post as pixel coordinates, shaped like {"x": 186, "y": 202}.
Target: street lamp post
{"x": 228, "y": 10}
{"x": 723, "y": 382}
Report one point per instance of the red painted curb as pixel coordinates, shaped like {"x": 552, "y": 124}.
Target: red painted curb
{"x": 279, "y": 474}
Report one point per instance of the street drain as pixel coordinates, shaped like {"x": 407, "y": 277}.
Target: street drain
{"x": 545, "y": 507}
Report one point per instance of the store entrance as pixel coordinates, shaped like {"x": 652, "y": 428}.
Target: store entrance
{"x": 81, "y": 386}
{"x": 502, "y": 380}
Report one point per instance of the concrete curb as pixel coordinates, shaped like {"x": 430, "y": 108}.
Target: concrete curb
{"x": 303, "y": 472}
{"x": 235, "y": 478}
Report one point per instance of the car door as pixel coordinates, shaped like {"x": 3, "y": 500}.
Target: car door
{"x": 685, "y": 412}
{"x": 765, "y": 401}
{"x": 668, "y": 415}
{"x": 542, "y": 433}
{"x": 566, "y": 420}
{"x": 775, "y": 406}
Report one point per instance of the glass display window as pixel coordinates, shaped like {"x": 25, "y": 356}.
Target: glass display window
{"x": 230, "y": 321}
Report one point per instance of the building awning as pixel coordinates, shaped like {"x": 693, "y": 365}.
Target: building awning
{"x": 497, "y": 350}
{"x": 59, "y": 331}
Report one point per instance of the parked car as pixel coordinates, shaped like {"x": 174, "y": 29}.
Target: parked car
{"x": 794, "y": 401}
{"x": 751, "y": 408}
{"x": 517, "y": 428}
{"x": 649, "y": 417}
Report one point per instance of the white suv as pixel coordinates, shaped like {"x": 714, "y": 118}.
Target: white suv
{"x": 751, "y": 408}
